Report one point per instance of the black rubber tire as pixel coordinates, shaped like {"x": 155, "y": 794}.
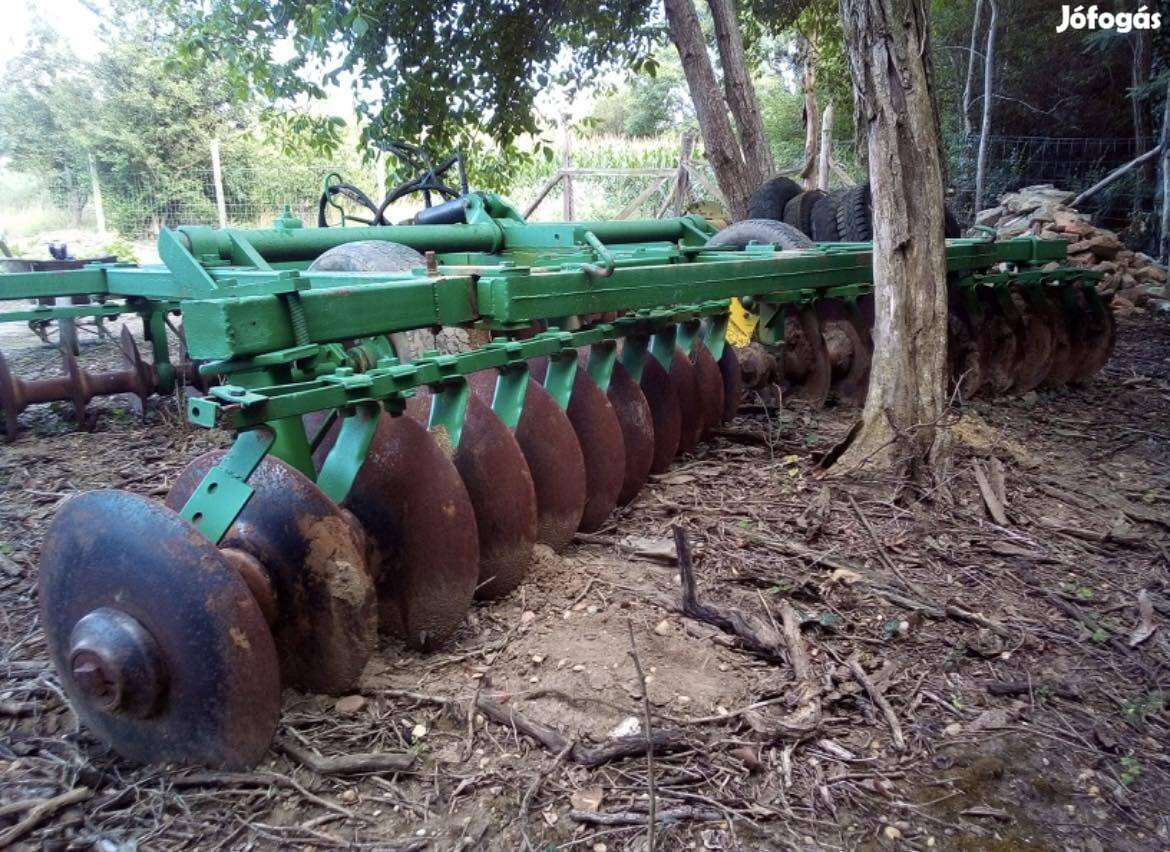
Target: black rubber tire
{"x": 761, "y": 231}
{"x": 798, "y": 213}
{"x": 824, "y": 219}
{"x": 368, "y": 256}
{"x": 853, "y": 215}
{"x": 771, "y": 197}
{"x": 381, "y": 256}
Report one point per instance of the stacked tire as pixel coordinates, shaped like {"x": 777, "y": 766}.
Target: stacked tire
{"x": 844, "y": 215}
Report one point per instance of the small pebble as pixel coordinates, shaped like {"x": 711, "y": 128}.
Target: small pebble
{"x": 350, "y": 705}
{"x": 527, "y": 617}
{"x": 348, "y": 795}
{"x": 578, "y": 668}
{"x": 418, "y": 732}
{"x": 662, "y": 627}
{"x": 537, "y": 658}
{"x": 683, "y": 699}
{"x": 591, "y": 609}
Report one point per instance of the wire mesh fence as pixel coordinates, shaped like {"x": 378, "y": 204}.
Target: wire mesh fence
{"x": 1074, "y": 164}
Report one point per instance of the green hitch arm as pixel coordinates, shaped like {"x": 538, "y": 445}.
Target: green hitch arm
{"x": 224, "y": 492}
{"x": 634, "y": 353}
{"x": 662, "y": 345}
{"x": 562, "y": 372}
{"x": 511, "y": 389}
{"x": 602, "y": 357}
{"x": 345, "y": 459}
{"x": 449, "y": 408}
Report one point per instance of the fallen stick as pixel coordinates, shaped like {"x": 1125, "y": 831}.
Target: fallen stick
{"x": 661, "y": 741}
{"x": 345, "y": 764}
{"x": 534, "y": 788}
{"x": 680, "y": 814}
{"x": 762, "y": 639}
{"x": 883, "y": 704}
{"x": 1020, "y": 687}
{"x": 41, "y": 811}
{"x": 646, "y": 716}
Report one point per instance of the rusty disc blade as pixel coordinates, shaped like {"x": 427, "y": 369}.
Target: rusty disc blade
{"x": 690, "y": 404}
{"x": 665, "y": 412}
{"x": 999, "y": 345}
{"x": 500, "y": 487}
{"x": 1073, "y": 321}
{"x": 964, "y": 343}
{"x": 1061, "y": 364}
{"x": 10, "y": 400}
{"x": 325, "y": 615}
{"x": 732, "y": 382}
{"x": 141, "y": 374}
{"x": 414, "y": 508}
{"x": 808, "y": 371}
{"x": 1036, "y": 339}
{"x": 602, "y": 448}
{"x": 637, "y": 425}
{"x": 1100, "y": 337}
{"x": 159, "y": 644}
{"x": 710, "y": 387}
{"x": 78, "y": 395}
{"x": 846, "y": 343}
{"x": 550, "y": 446}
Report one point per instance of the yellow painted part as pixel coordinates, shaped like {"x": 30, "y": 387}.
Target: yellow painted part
{"x": 742, "y": 326}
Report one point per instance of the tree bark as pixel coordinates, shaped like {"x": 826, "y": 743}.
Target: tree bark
{"x": 889, "y": 60}
{"x": 808, "y": 82}
{"x": 1140, "y": 71}
{"x": 1164, "y": 236}
{"x": 988, "y": 97}
{"x": 719, "y": 139}
{"x": 968, "y": 127}
{"x": 741, "y": 94}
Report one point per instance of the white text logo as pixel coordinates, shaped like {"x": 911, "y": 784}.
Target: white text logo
{"x": 1081, "y": 19}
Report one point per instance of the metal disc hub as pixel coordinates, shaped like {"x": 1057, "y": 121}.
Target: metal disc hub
{"x": 160, "y": 646}
{"x": 306, "y": 565}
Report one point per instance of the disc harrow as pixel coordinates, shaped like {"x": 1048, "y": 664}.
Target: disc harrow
{"x": 373, "y": 488}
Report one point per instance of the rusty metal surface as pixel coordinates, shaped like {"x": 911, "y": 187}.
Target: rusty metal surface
{"x": 325, "y": 617}
{"x": 732, "y": 382}
{"x": 602, "y": 448}
{"x": 499, "y": 484}
{"x": 1100, "y": 334}
{"x": 550, "y": 447}
{"x": 1069, "y": 328}
{"x": 418, "y": 519}
{"x": 637, "y": 425}
{"x": 808, "y": 372}
{"x": 1034, "y": 344}
{"x": 176, "y": 663}
{"x": 848, "y": 346}
{"x": 710, "y": 387}
{"x": 665, "y": 414}
{"x": 997, "y": 348}
{"x": 690, "y": 404}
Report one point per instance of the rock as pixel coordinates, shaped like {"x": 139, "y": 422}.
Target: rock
{"x": 662, "y": 628}
{"x": 989, "y": 217}
{"x": 1122, "y": 306}
{"x": 1153, "y": 274}
{"x": 1072, "y": 222}
{"x": 1083, "y": 259}
{"x": 350, "y": 705}
{"x": 1049, "y": 234}
{"x": 1013, "y": 227}
{"x": 1105, "y": 266}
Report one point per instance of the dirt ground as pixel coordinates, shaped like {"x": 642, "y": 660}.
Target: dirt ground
{"x": 965, "y": 684}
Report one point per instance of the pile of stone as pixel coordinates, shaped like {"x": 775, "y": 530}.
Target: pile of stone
{"x": 1132, "y": 278}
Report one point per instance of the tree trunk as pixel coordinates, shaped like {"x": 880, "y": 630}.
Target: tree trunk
{"x": 811, "y": 113}
{"x": 741, "y": 94}
{"x": 1164, "y": 235}
{"x": 968, "y": 127}
{"x": 719, "y": 139}
{"x": 1140, "y": 78}
{"x": 988, "y": 97}
{"x": 889, "y": 59}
